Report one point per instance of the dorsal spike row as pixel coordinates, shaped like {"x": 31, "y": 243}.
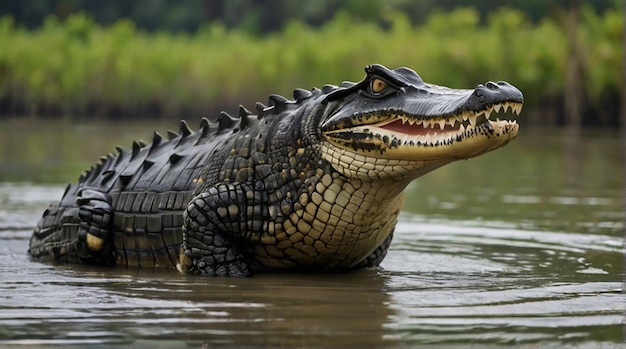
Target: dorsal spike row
{"x": 328, "y": 88}
{"x": 86, "y": 174}
{"x": 185, "y": 131}
{"x": 225, "y": 121}
{"x": 120, "y": 155}
{"x": 204, "y": 126}
{"x": 109, "y": 159}
{"x": 136, "y": 148}
{"x": 184, "y": 128}
{"x": 95, "y": 170}
{"x": 103, "y": 160}
{"x": 171, "y": 134}
{"x": 244, "y": 117}
{"x": 277, "y": 100}
{"x": 347, "y": 84}
{"x": 260, "y": 108}
{"x": 243, "y": 111}
{"x": 300, "y": 94}
{"x": 156, "y": 141}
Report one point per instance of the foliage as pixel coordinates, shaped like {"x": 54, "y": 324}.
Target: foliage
{"x": 258, "y": 17}
{"x": 77, "y": 66}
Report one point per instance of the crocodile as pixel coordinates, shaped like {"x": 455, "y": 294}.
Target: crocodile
{"x": 313, "y": 183}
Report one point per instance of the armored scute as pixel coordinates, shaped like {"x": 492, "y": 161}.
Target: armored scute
{"x": 314, "y": 183}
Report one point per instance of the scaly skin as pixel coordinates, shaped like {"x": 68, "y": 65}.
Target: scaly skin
{"x": 315, "y": 183}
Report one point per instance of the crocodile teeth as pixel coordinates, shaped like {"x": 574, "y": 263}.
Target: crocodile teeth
{"x": 457, "y": 118}
{"x": 472, "y": 122}
{"x": 449, "y": 129}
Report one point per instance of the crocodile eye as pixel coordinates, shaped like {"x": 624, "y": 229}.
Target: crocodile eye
{"x": 378, "y": 85}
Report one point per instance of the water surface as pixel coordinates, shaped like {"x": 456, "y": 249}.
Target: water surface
{"x": 520, "y": 246}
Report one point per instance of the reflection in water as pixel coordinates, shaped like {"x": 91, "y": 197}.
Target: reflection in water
{"x": 573, "y": 154}
{"x": 506, "y": 248}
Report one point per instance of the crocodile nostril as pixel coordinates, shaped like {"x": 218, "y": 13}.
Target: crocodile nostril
{"x": 490, "y": 85}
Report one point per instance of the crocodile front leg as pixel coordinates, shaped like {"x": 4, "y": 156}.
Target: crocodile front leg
{"x": 212, "y": 243}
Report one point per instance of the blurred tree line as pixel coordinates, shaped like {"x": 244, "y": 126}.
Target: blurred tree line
{"x": 264, "y": 16}
{"x": 184, "y": 59}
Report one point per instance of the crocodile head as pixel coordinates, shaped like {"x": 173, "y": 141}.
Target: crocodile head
{"x": 392, "y": 124}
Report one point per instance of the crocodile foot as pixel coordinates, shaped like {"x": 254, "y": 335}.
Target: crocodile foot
{"x": 218, "y": 258}
{"x": 94, "y": 232}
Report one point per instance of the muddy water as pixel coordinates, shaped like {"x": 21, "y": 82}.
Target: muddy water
{"x": 521, "y": 246}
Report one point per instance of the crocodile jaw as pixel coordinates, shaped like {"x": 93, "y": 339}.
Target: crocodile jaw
{"x": 404, "y": 146}
{"x": 405, "y": 137}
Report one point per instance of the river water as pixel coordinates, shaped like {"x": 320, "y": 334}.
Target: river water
{"x": 521, "y": 246}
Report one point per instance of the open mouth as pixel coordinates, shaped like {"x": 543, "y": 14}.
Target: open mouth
{"x": 405, "y": 130}
{"x": 403, "y": 136}
{"x": 425, "y": 131}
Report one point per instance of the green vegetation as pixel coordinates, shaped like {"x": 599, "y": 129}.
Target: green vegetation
{"x": 79, "y": 67}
